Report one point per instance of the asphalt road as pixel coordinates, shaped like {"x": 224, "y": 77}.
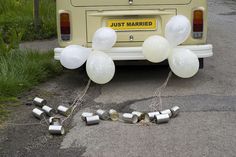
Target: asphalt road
{"x": 205, "y": 127}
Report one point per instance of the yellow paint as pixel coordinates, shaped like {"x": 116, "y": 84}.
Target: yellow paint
{"x": 132, "y": 24}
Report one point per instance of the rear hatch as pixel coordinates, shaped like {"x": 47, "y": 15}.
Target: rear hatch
{"x": 130, "y": 25}
{"x": 126, "y": 2}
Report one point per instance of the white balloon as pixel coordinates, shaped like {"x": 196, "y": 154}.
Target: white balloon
{"x": 183, "y": 62}
{"x": 177, "y": 30}
{"x": 104, "y": 39}
{"x": 74, "y": 56}
{"x": 156, "y": 49}
{"x": 100, "y": 67}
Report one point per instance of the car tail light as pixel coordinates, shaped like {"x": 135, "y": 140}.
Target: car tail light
{"x": 65, "y": 26}
{"x": 198, "y": 23}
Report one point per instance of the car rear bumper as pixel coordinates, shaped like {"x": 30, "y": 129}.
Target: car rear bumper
{"x": 135, "y": 53}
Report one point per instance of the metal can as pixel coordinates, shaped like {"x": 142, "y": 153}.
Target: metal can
{"x": 56, "y": 130}
{"x": 139, "y": 114}
{"x": 48, "y": 110}
{"x": 54, "y": 121}
{"x": 130, "y": 118}
{"x": 162, "y": 118}
{"x": 38, "y": 113}
{"x": 103, "y": 115}
{"x": 175, "y": 111}
{"x": 39, "y": 102}
{"x": 86, "y": 114}
{"x": 151, "y": 115}
{"x": 114, "y": 115}
{"x": 146, "y": 118}
{"x": 63, "y": 110}
{"x": 167, "y": 111}
{"x": 92, "y": 120}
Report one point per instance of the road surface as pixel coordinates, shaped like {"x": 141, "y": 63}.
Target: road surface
{"x": 205, "y": 127}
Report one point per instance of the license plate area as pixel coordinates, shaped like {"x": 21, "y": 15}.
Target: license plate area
{"x": 138, "y": 24}
{"x": 132, "y": 33}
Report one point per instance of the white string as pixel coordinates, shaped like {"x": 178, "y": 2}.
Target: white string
{"x": 28, "y": 124}
{"x": 157, "y": 95}
{"x": 14, "y": 124}
{"x": 77, "y": 101}
{"x": 157, "y": 100}
{"x": 46, "y": 120}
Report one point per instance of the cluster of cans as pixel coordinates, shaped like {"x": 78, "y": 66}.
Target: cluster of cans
{"x": 132, "y": 118}
{"x": 43, "y": 110}
{"x": 94, "y": 118}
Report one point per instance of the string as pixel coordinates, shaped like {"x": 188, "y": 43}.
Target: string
{"x": 157, "y": 100}
{"x": 77, "y": 101}
{"x": 29, "y": 124}
{"x": 157, "y": 96}
{"x": 46, "y": 120}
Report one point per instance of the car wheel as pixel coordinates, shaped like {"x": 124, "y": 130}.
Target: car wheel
{"x": 201, "y": 63}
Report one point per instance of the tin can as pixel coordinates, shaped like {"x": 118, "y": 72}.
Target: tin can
{"x": 54, "y": 121}
{"x": 130, "y": 118}
{"x": 63, "y": 110}
{"x": 167, "y": 111}
{"x": 175, "y": 111}
{"x": 39, "y": 102}
{"x": 48, "y": 110}
{"x": 146, "y": 118}
{"x": 103, "y": 115}
{"x": 162, "y": 118}
{"x": 56, "y": 130}
{"x": 139, "y": 114}
{"x": 114, "y": 115}
{"x": 86, "y": 114}
{"x": 38, "y": 113}
{"x": 92, "y": 120}
{"x": 151, "y": 115}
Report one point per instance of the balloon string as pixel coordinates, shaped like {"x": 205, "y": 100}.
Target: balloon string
{"x": 77, "y": 101}
{"x": 157, "y": 95}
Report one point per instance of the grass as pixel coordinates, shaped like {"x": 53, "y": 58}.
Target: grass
{"x": 16, "y": 16}
{"x": 5, "y": 103}
{"x": 20, "y": 71}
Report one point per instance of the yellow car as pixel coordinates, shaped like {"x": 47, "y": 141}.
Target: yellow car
{"x": 133, "y": 20}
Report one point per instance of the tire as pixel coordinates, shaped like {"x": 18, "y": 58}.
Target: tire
{"x": 201, "y": 63}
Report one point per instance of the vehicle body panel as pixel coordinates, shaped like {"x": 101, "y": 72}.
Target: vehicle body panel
{"x": 87, "y": 16}
{"x": 82, "y": 3}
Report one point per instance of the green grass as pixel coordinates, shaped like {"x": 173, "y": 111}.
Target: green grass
{"x": 20, "y": 71}
{"x": 16, "y": 16}
{"x": 5, "y": 104}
